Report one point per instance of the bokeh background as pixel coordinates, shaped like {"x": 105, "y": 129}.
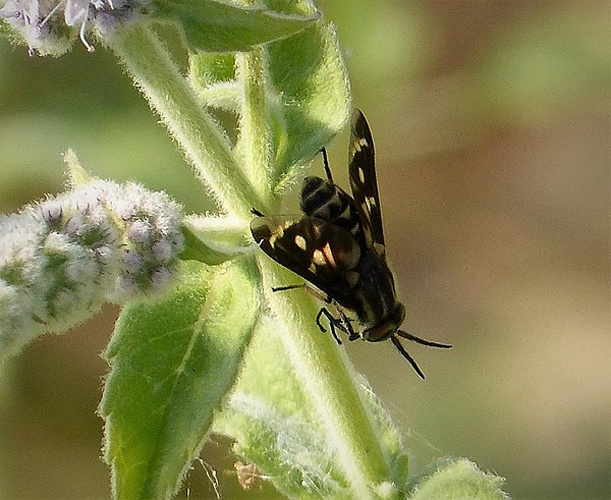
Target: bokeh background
{"x": 492, "y": 127}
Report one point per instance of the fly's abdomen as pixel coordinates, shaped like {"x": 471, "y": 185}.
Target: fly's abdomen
{"x": 324, "y": 200}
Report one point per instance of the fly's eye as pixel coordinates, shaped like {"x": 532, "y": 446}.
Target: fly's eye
{"x": 380, "y": 332}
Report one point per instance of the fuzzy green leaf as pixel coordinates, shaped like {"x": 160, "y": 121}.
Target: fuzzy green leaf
{"x": 306, "y": 99}
{"x": 211, "y": 68}
{"x": 273, "y": 424}
{"x": 458, "y": 479}
{"x": 212, "y": 77}
{"x": 311, "y": 101}
{"x": 223, "y": 25}
{"x": 276, "y": 425}
{"x": 172, "y": 362}
{"x": 214, "y": 240}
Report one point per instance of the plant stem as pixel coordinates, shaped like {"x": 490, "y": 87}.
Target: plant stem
{"x": 255, "y": 140}
{"x": 202, "y": 141}
{"x": 328, "y": 379}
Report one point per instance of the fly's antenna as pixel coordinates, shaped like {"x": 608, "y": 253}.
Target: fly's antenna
{"x": 406, "y": 355}
{"x": 418, "y": 340}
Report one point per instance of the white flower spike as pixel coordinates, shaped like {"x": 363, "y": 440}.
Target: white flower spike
{"x": 62, "y": 258}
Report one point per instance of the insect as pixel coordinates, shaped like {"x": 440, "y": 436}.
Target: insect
{"x": 249, "y": 476}
{"x": 337, "y": 245}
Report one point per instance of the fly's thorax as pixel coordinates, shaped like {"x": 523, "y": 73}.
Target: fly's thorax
{"x": 375, "y": 297}
{"x": 324, "y": 200}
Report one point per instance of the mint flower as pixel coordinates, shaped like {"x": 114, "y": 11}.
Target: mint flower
{"x": 50, "y": 27}
{"x": 62, "y": 258}
{"x": 218, "y": 352}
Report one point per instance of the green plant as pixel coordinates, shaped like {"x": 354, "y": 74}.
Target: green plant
{"x": 218, "y": 351}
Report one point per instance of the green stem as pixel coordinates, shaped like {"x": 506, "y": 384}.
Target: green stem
{"x": 328, "y": 378}
{"x": 255, "y": 140}
{"x": 202, "y": 141}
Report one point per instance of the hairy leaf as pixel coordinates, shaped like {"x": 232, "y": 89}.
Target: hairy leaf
{"x": 172, "y": 363}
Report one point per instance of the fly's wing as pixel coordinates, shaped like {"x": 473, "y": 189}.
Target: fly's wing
{"x": 322, "y": 253}
{"x": 362, "y": 173}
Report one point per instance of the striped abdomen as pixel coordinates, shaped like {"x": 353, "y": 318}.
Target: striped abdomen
{"x": 324, "y": 200}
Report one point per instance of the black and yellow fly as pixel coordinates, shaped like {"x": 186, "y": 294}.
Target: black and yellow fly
{"x": 338, "y": 246}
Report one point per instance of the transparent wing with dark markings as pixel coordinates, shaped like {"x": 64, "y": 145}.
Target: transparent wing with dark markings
{"x": 320, "y": 252}
{"x": 362, "y": 173}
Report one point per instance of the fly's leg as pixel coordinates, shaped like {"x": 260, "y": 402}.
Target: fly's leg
{"x": 333, "y": 323}
{"x": 340, "y": 323}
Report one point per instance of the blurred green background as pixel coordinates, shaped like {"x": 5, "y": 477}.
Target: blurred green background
{"x": 492, "y": 127}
